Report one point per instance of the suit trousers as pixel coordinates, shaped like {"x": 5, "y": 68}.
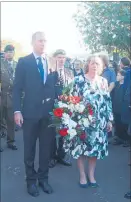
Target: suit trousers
{"x": 60, "y": 151}
{"x": 121, "y": 129}
{"x": 57, "y": 151}
{"x": 34, "y": 129}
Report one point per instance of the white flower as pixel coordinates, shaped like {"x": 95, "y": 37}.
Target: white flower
{"x": 68, "y": 121}
{"x": 71, "y": 107}
{"x": 81, "y": 108}
{"x": 79, "y": 117}
{"x": 72, "y": 124}
{"x": 66, "y": 116}
{"x": 80, "y": 122}
{"x": 62, "y": 105}
{"x": 85, "y": 122}
{"x": 72, "y": 133}
{"x": 90, "y": 118}
{"x": 77, "y": 107}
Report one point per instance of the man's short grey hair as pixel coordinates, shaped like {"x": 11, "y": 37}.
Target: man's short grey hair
{"x": 37, "y": 34}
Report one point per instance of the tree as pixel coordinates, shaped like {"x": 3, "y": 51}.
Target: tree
{"x": 18, "y": 48}
{"x": 105, "y": 25}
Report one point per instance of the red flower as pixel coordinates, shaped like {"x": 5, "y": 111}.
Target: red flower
{"x": 83, "y": 136}
{"x": 63, "y": 132}
{"x": 63, "y": 97}
{"x": 90, "y": 110}
{"x": 74, "y": 99}
{"x": 58, "y": 112}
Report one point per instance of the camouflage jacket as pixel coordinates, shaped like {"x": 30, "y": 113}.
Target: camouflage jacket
{"x": 7, "y": 78}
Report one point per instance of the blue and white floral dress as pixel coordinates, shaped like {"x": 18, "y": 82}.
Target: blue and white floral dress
{"x": 95, "y": 144}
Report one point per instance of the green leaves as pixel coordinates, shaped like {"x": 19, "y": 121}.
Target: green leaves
{"x": 105, "y": 24}
{"x": 66, "y": 90}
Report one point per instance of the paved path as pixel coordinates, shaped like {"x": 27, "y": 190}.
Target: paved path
{"x": 112, "y": 175}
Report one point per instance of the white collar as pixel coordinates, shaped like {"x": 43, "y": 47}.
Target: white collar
{"x": 37, "y": 56}
{"x": 10, "y": 62}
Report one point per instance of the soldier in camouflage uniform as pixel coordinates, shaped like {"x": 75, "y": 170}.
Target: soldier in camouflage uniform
{"x": 8, "y": 69}
{"x": 0, "y": 115}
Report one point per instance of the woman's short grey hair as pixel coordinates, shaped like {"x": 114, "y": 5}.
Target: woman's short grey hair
{"x": 91, "y": 57}
{"x": 86, "y": 68}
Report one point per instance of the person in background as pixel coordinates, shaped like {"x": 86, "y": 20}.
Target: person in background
{"x": 1, "y": 150}
{"x": 108, "y": 73}
{"x": 128, "y": 101}
{"x": 125, "y": 63}
{"x": 115, "y": 66}
{"x": 77, "y": 68}
{"x": 62, "y": 76}
{"x": 117, "y": 107}
{"x": 8, "y": 66}
{"x": 110, "y": 76}
{"x": 126, "y": 112}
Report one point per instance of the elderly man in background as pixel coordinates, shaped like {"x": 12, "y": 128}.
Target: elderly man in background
{"x": 62, "y": 77}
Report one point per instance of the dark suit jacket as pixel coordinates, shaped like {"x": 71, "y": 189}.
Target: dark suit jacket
{"x": 126, "y": 112}
{"x": 38, "y": 98}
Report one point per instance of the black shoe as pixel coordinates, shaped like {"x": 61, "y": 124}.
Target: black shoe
{"x": 12, "y": 146}
{"x": 3, "y": 134}
{"x": 126, "y": 144}
{"x": 32, "y": 190}
{"x": 46, "y": 187}
{"x": 52, "y": 163}
{"x": 117, "y": 142}
{"x": 63, "y": 162}
{"x": 1, "y": 150}
{"x": 128, "y": 195}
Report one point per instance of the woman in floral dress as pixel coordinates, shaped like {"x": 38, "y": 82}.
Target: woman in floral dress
{"x": 93, "y": 88}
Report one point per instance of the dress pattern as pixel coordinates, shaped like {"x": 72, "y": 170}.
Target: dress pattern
{"x": 96, "y": 143}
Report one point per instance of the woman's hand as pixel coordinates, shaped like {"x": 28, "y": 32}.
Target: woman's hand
{"x": 109, "y": 126}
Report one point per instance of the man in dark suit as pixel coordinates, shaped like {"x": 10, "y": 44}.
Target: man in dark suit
{"x": 8, "y": 66}
{"x": 32, "y": 78}
{"x": 62, "y": 76}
